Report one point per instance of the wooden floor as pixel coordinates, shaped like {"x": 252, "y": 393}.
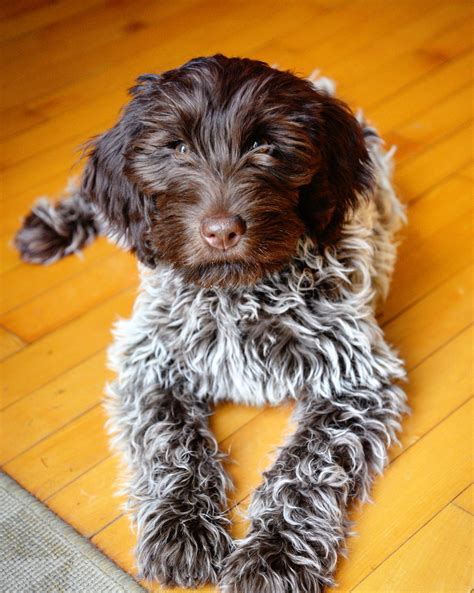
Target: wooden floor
{"x": 66, "y": 66}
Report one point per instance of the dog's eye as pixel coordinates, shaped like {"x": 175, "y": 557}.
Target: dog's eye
{"x": 255, "y": 144}
{"x": 181, "y": 148}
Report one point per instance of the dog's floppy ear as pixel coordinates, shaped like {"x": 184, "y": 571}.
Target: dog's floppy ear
{"x": 345, "y": 172}
{"x": 122, "y": 207}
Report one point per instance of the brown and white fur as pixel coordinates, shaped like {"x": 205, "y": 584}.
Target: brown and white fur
{"x": 263, "y": 217}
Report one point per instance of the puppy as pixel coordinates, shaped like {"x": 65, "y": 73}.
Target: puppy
{"x": 263, "y": 217}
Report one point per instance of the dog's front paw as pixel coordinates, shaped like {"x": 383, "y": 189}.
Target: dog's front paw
{"x": 183, "y": 551}
{"x": 271, "y": 563}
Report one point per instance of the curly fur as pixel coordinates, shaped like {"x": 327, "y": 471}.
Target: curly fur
{"x": 178, "y": 487}
{"x": 304, "y": 329}
{"x": 307, "y": 332}
{"x": 53, "y": 231}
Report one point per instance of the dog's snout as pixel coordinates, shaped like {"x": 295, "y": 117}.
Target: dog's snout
{"x": 222, "y": 232}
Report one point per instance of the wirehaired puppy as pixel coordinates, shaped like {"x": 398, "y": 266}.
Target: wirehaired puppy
{"x": 262, "y": 213}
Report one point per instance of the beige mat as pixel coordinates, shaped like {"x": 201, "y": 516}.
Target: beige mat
{"x": 40, "y": 553}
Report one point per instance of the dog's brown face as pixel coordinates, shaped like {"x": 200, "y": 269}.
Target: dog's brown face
{"x": 219, "y": 167}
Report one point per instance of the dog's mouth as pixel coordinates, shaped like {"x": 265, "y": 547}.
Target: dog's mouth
{"x": 229, "y": 274}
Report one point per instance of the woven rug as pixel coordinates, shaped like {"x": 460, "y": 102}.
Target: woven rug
{"x": 40, "y": 553}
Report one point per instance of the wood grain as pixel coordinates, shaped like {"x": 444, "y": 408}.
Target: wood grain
{"x": 9, "y": 343}
{"x": 466, "y": 500}
{"x": 422, "y": 564}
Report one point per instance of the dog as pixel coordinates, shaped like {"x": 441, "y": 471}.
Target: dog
{"x": 262, "y": 213}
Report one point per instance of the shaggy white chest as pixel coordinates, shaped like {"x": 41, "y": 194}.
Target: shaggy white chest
{"x": 258, "y": 345}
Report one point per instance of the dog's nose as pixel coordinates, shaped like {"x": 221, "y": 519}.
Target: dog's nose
{"x": 222, "y": 232}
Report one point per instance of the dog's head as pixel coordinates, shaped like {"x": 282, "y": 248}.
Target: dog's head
{"x": 218, "y": 167}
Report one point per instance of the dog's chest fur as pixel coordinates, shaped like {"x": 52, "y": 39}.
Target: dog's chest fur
{"x": 309, "y": 327}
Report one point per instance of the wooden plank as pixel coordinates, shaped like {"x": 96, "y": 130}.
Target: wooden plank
{"x": 9, "y": 257}
{"x": 56, "y": 461}
{"x": 228, "y": 417}
{"x": 416, "y": 35}
{"x": 361, "y": 32}
{"x": 468, "y": 172}
{"x": 24, "y": 282}
{"x": 9, "y": 10}
{"x": 425, "y": 563}
{"x": 430, "y": 127}
{"x": 13, "y": 211}
{"x": 435, "y": 211}
{"x": 68, "y": 300}
{"x": 424, "y": 94}
{"x": 425, "y": 55}
{"x": 61, "y": 350}
{"x": 429, "y": 323}
{"x": 26, "y": 22}
{"x": 361, "y": 22}
{"x": 125, "y": 32}
{"x": 51, "y": 407}
{"x": 184, "y": 39}
{"x": 427, "y": 256}
{"x": 9, "y": 343}
{"x": 46, "y": 165}
{"x": 92, "y": 501}
{"x": 436, "y": 387}
{"x": 466, "y": 500}
{"x": 95, "y": 26}
{"x": 117, "y": 541}
{"x": 425, "y": 266}
{"x": 437, "y": 467}
{"x": 75, "y": 125}
{"x": 252, "y": 449}
{"x": 435, "y": 163}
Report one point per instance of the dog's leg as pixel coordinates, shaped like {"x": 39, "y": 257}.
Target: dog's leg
{"x": 178, "y": 488}
{"x": 299, "y": 514}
